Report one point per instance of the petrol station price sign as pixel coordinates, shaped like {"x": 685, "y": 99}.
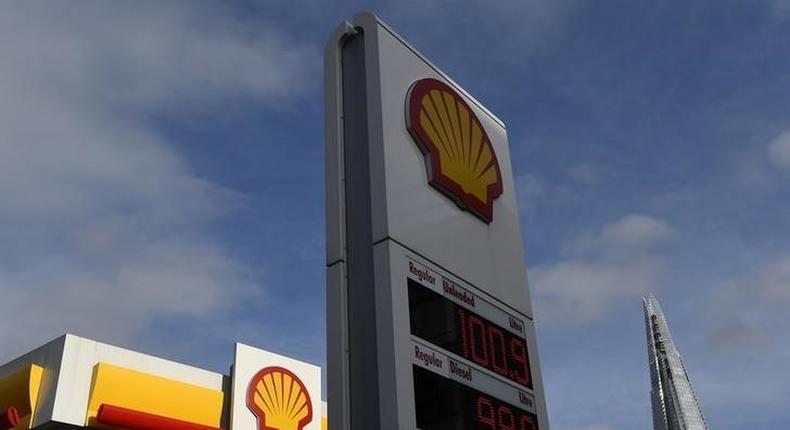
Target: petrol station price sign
{"x": 461, "y": 331}
{"x": 429, "y": 321}
{"x": 471, "y": 361}
{"x": 447, "y": 404}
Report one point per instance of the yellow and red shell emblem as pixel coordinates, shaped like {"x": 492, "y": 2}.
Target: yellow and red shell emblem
{"x": 459, "y": 157}
{"x": 279, "y": 400}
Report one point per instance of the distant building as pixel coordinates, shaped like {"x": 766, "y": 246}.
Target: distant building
{"x": 675, "y": 406}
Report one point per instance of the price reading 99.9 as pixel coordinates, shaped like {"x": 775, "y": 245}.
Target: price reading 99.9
{"x": 444, "y": 404}
{"x": 454, "y": 328}
{"x": 495, "y": 415}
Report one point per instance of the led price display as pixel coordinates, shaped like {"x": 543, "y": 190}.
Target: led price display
{"x": 442, "y": 322}
{"x": 444, "y": 404}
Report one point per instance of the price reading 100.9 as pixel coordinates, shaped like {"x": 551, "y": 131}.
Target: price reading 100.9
{"x": 454, "y": 328}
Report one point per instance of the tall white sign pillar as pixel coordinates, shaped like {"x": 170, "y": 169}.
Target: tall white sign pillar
{"x": 429, "y": 321}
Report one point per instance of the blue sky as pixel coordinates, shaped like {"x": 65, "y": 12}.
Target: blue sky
{"x": 161, "y": 173}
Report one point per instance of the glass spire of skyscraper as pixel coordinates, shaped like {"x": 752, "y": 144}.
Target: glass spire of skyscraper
{"x": 675, "y": 405}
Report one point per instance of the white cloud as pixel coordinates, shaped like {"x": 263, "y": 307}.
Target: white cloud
{"x": 103, "y": 223}
{"x": 630, "y": 233}
{"x": 775, "y": 281}
{"x": 746, "y": 320}
{"x": 597, "y": 427}
{"x": 779, "y": 150}
{"x": 747, "y": 312}
{"x": 760, "y": 168}
{"x": 735, "y": 334}
{"x": 585, "y": 173}
{"x": 753, "y": 172}
{"x": 603, "y": 269}
{"x": 520, "y": 25}
{"x": 529, "y": 189}
{"x": 160, "y": 55}
{"x": 769, "y": 283}
{"x": 780, "y": 8}
{"x": 577, "y": 292}
{"x": 635, "y": 230}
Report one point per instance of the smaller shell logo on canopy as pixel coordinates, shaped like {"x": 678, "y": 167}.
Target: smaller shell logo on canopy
{"x": 279, "y": 400}
{"x": 459, "y": 157}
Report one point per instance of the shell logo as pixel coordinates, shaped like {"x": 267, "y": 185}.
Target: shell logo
{"x": 459, "y": 157}
{"x": 279, "y": 400}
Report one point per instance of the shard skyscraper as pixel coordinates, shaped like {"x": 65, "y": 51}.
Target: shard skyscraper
{"x": 675, "y": 406}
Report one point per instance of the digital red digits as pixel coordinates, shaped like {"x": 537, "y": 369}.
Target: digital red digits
{"x": 487, "y": 354}
{"x": 463, "y": 407}
{"x": 493, "y": 348}
{"x": 494, "y": 415}
{"x": 485, "y": 413}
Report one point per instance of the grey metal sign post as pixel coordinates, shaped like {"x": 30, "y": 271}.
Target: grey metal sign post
{"x": 429, "y": 321}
